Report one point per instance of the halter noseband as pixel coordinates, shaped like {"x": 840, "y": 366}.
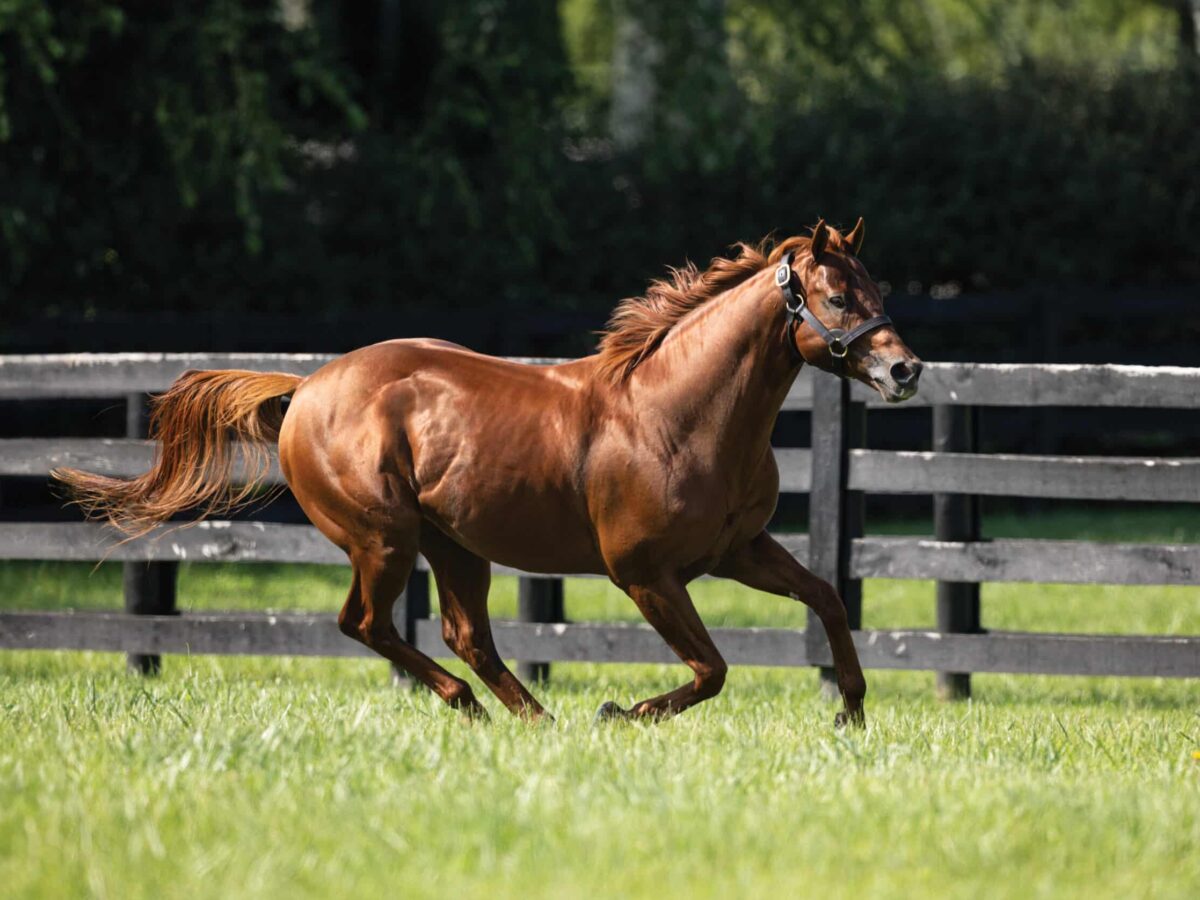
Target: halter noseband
{"x": 796, "y": 304}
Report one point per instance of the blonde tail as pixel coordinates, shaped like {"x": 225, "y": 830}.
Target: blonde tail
{"x": 195, "y": 423}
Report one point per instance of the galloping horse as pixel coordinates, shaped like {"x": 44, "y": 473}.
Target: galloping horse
{"x": 649, "y": 462}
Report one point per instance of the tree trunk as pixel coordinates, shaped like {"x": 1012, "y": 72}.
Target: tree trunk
{"x": 636, "y": 55}
{"x": 1189, "y": 26}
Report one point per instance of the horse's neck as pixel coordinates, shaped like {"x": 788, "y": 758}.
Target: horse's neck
{"x": 722, "y": 373}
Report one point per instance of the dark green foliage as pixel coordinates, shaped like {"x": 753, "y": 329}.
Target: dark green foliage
{"x": 372, "y": 156}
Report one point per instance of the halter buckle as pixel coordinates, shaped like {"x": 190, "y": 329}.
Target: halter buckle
{"x": 783, "y": 275}
{"x": 837, "y": 345}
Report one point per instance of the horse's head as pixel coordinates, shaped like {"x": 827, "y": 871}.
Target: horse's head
{"x": 841, "y": 326}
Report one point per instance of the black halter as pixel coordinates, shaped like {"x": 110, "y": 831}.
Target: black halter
{"x": 796, "y": 304}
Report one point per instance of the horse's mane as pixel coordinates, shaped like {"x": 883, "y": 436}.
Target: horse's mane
{"x": 639, "y": 325}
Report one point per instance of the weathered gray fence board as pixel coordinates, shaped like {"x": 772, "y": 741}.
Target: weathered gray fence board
{"x": 290, "y": 634}
{"x": 119, "y": 457}
{"x": 122, "y": 457}
{"x": 1029, "y": 653}
{"x": 795, "y": 469}
{"x": 116, "y": 374}
{"x": 211, "y": 541}
{"x": 317, "y": 635}
{"x": 1047, "y": 384}
{"x": 1066, "y": 562}
{"x": 215, "y": 541}
{"x": 976, "y": 384}
{"x": 1074, "y": 477}
{"x": 605, "y": 642}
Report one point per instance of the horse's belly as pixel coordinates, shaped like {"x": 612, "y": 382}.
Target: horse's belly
{"x": 546, "y": 539}
{"x": 516, "y": 513}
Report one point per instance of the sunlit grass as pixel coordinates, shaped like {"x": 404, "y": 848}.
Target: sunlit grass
{"x": 316, "y": 778}
{"x": 280, "y": 777}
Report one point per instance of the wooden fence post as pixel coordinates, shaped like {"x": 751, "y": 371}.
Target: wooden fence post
{"x": 835, "y": 517}
{"x": 149, "y": 587}
{"x": 412, "y": 607}
{"x": 538, "y": 600}
{"x": 956, "y": 518}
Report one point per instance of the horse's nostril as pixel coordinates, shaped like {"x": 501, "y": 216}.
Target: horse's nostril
{"x": 906, "y": 372}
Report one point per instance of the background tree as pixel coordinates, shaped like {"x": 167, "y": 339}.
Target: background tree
{"x": 328, "y": 158}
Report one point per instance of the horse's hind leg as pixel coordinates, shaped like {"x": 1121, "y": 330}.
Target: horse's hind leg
{"x": 380, "y": 574}
{"x": 463, "y": 580}
{"x": 668, "y": 607}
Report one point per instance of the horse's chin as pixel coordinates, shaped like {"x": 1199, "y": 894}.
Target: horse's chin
{"x": 893, "y": 393}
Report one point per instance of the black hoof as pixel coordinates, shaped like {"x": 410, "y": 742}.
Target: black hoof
{"x": 844, "y": 718}
{"x": 609, "y": 711}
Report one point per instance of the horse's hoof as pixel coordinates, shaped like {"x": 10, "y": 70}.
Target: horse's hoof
{"x": 474, "y": 713}
{"x": 855, "y": 718}
{"x": 609, "y": 711}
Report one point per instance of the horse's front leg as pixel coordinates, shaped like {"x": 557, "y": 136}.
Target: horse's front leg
{"x": 766, "y": 566}
{"x": 667, "y": 606}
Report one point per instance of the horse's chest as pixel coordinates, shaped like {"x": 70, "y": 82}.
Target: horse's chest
{"x": 739, "y": 525}
{"x": 682, "y": 515}
{"x": 740, "y": 509}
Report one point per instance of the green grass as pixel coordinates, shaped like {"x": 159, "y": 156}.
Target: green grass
{"x": 300, "y": 777}
{"x": 314, "y": 778}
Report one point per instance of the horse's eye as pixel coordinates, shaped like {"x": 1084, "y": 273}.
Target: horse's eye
{"x": 837, "y": 301}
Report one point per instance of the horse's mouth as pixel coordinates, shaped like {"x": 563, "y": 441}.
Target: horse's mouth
{"x": 894, "y": 393}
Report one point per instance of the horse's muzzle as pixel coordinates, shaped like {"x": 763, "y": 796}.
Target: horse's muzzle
{"x": 896, "y": 378}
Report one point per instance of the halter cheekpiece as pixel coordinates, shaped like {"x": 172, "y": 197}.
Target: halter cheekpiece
{"x": 796, "y": 304}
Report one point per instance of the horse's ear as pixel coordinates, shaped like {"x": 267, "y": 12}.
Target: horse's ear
{"x": 856, "y": 235}
{"x": 820, "y": 237}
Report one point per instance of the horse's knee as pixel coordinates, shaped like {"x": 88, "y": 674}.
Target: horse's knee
{"x": 710, "y": 678}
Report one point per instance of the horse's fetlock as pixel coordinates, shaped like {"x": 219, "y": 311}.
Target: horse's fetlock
{"x": 710, "y": 678}
{"x": 854, "y": 690}
{"x": 373, "y": 632}
{"x": 348, "y": 626}
{"x": 458, "y": 694}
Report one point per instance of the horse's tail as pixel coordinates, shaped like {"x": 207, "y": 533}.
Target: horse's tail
{"x": 195, "y": 423}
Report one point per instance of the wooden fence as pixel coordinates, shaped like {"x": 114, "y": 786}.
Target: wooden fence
{"x": 835, "y": 471}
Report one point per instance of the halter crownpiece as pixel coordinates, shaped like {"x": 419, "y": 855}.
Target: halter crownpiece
{"x": 796, "y": 304}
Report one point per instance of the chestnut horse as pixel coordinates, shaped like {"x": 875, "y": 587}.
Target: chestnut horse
{"x": 649, "y": 462}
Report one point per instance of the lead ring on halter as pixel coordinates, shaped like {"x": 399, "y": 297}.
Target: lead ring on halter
{"x": 796, "y": 304}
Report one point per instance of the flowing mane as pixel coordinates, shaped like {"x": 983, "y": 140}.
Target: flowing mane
{"x": 640, "y": 324}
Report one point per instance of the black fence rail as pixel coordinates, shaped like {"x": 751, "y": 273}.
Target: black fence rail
{"x": 836, "y": 471}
